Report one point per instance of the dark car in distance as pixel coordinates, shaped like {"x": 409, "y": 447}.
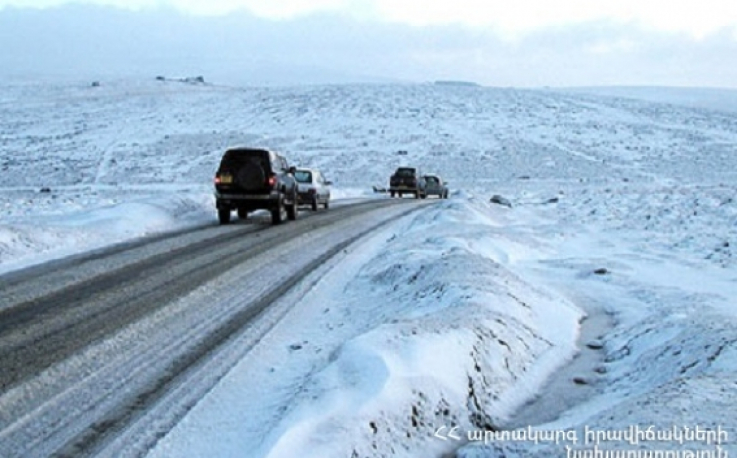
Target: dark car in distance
{"x": 250, "y": 179}
{"x": 405, "y": 180}
{"x": 313, "y": 189}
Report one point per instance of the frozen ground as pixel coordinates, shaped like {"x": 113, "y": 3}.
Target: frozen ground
{"x": 708, "y": 98}
{"x": 668, "y": 285}
{"x": 452, "y": 317}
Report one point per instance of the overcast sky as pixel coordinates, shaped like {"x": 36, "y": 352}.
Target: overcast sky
{"x": 501, "y": 43}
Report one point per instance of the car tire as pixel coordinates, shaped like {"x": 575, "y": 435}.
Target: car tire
{"x": 242, "y": 213}
{"x": 417, "y": 195}
{"x": 293, "y": 209}
{"x": 327, "y": 204}
{"x": 224, "y": 215}
{"x": 278, "y": 213}
{"x": 314, "y": 204}
{"x": 391, "y": 193}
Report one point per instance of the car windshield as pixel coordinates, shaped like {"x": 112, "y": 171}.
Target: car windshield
{"x": 433, "y": 180}
{"x": 303, "y": 176}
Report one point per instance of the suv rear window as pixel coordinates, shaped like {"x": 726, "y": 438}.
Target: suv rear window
{"x": 405, "y": 172}
{"x": 235, "y": 159}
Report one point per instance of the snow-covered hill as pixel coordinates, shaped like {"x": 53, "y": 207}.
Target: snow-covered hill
{"x": 150, "y": 132}
{"x": 619, "y": 206}
{"x": 707, "y": 98}
{"x": 129, "y": 140}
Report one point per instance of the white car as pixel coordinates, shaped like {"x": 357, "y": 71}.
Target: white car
{"x": 312, "y": 188}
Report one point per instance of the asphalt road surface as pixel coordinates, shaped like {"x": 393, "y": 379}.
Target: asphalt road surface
{"x": 102, "y": 353}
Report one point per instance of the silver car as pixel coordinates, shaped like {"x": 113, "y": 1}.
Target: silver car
{"x": 313, "y": 189}
{"x": 433, "y": 185}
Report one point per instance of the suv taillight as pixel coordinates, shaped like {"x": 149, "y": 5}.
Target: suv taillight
{"x": 271, "y": 180}
{"x": 217, "y": 179}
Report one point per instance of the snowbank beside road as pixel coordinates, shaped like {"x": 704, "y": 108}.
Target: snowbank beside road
{"x": 72, "y": 222}
{"x": 669, "y": 285}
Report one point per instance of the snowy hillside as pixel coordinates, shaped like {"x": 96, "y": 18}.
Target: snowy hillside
{"x": 128, "y": 140}
{"x": 707, "y": 98}
{"x": 149, "y": 132}
{"x": 621, "y": 229}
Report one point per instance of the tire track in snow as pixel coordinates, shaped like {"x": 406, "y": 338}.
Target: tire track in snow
{"x": 90, "y": 394}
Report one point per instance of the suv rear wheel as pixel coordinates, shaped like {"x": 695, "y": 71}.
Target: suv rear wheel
{"x": 224, "y": 215}
{"x": 292, "y": 209}
{"x": 242, "y": 213}
{"x": 278, "y": 214}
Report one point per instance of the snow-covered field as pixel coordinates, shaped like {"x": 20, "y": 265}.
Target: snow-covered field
{"x": 449, "y": 320}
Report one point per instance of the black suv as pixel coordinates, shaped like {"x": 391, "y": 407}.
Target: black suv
{"x": 251, "y": 179}
{"x": 405, "y": 180}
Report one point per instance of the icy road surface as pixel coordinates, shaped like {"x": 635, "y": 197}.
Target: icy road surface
{"x": 110, "y": 334}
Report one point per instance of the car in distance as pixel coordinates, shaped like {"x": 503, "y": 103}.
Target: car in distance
{"x": 433, "y": 185}
{"x": 250, "y": 179}
{"x": 405, "y": 180}
{"x": 312, "y": 188}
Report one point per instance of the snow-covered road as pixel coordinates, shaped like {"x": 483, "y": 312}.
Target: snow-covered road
{"x": 120, "y": 328}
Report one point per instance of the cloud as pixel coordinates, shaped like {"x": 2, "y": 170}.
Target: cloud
{"x": 511, "y": 18}
{"x": 330, "y": 47}
{"x": 524, "y": 16}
